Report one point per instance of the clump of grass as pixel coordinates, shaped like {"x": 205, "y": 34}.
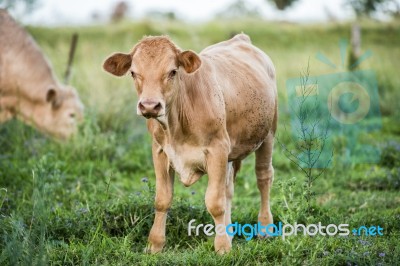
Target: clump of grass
{"x": 390, "y": 156}
{"x": 25, "y": 234}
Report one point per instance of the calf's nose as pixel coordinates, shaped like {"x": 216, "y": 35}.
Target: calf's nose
{"x": 150, "y": 108}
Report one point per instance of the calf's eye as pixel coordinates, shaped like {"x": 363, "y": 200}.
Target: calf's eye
{"x": 72, "y": 115}
{"x": 172, "y": 74}
{"x": 133, "y": 74}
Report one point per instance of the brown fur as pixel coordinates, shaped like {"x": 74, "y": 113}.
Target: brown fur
{"x": 219, "y": 107}
{"x": 29, "y": 90}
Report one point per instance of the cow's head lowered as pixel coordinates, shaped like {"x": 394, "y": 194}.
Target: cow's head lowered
{"x": 62, "y": 112}
{"x": 57, "y": 112}
{"x": 155, "y": 64}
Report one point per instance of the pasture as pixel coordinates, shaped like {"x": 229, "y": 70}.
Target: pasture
{"x": 90, "y": 201}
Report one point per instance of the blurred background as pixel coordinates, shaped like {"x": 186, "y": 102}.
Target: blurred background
{"x": 90, "y": 200}
{"x": 51, "y": 12}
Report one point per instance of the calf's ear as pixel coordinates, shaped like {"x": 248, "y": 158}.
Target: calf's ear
{"x": 189, "y": 60}
{"x": 53, "y": 98}
{"x": 118, "y": 64}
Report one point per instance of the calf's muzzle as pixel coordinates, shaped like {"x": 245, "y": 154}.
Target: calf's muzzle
{"x": 150, "y": 108}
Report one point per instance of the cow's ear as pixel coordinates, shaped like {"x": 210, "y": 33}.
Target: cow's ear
{"x": 118, "y": 64}
{"x": 189, "y": 60}
{"x": 53, "y": 98}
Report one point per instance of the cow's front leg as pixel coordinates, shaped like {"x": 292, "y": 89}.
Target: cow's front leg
{"x": 163, "y": 199}
{"x": 5, "y": 114}
{"x": 216, "y": 196}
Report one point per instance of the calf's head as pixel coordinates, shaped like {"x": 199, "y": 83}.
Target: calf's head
{"x": 155, "y": 64}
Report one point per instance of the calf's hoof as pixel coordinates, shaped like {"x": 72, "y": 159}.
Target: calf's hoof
{"x": 153, "y": 249}
{"x": 222, "y": 245}
{"x": 263, "y": 236}
{"x": 155, "y": 244}
{"x": 266, "y": 220}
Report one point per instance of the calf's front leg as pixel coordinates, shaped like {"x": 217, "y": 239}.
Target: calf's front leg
{"x": 215, "y": 199}
{"x": 163, "y": 199}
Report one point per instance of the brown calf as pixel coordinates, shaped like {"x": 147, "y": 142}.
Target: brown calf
{"x": 206, "y": 112}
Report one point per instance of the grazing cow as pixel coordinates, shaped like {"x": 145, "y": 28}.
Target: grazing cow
{"x": 206, "y": 112}
{"x": 29, "y": 90}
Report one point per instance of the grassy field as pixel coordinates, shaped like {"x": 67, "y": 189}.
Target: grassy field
{"x": 90, "y": 201}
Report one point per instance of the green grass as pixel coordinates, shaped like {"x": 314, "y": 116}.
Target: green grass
{"x": 86, "y": 202}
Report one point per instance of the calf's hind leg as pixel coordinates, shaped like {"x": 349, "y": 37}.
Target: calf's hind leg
{"x": 233, "y": 169}
{"x": 265, "y": 177}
